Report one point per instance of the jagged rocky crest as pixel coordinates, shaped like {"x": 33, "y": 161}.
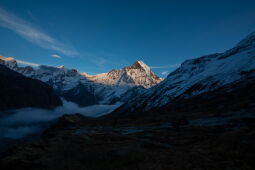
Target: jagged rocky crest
{"x": 85, "y": 89}
{"x": 139, "y": 74}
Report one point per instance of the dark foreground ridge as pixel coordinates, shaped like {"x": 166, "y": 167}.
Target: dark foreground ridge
{"x": 18, "y": 91}
{"x": 78, "y": 143}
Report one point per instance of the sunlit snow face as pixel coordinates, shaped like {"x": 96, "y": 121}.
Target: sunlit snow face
{"x": 27, "y": 121}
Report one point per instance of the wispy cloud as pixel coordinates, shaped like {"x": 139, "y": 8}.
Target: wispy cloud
{"x": 164, "y": 73}
{"x": 166, "y": 66}
{"x": 27, "y": 63}
{"x": 102, "y": 61}
{"x": 32, "y": 34}
{"x": 55, "y": 56}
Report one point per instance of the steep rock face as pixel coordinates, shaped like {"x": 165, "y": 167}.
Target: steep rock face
{"x": 105, "y": 88}
{"x": 68, "y": 83}
{"x": 18, "y": 91}
{"x": 117, "y": 85}
{"x": 200, "y": 75}
{"x": 80, "y": 95}
{"x": 139, "y": 74}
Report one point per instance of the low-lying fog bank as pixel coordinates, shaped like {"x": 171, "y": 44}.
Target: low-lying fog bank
{"x": 20, "y": 123}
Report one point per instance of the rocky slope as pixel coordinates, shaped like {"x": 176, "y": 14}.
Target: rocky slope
{"x": 106, "y": 88}
{"x": 200, "y": 75}
{"x": 18, "y": 91}
{"x": 139, "y": 74}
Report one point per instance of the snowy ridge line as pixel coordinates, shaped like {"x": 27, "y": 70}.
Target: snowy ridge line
{"x": 199, "y": 75}
{"x": 104, "y": 88}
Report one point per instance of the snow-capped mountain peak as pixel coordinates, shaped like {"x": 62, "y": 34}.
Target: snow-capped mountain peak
{"x": 9, "y": 62}
{"x": 61, "y": 67}
{"x": 140, "y": 65}
{"x": 139, "y": 74}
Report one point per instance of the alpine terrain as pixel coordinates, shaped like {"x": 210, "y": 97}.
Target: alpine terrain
{"x": 84, "y": 89}
{"x": 199, "y": 76}
{"x": 127, "y": 85}
{"x": 201, "y": 116}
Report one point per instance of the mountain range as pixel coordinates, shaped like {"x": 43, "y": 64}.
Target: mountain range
{"x": 142, "y": 90}
{"x": 201, "y": 116}
{"x": 84, "y": 89}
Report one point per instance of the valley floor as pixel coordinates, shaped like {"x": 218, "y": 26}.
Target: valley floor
{"x": 224, "y": 141}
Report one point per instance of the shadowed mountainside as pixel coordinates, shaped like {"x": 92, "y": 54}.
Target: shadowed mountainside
{"x": 18, "y": 91}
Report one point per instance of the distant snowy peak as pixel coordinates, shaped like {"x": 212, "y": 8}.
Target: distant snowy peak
{"x": 9, "y": 62}
{"x": 141, "y": 66}
{"x": 61, "y": 67}
{"x": 139, "y": 74}
{"x": 142, "y": 75}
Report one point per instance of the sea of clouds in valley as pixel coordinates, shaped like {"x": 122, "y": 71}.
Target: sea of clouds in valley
{"x": 20, "y": 123}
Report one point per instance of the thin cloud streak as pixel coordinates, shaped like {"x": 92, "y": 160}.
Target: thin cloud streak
{"x": 30, "y": 33}
{"x": 27, "y": 63}
{"x": 166, "y": 66}
{"x": 164, "y": 73}
{"x": 55, "y": 56}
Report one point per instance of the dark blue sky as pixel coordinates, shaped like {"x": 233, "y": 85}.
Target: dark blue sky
{"x": 97, "y": 36}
